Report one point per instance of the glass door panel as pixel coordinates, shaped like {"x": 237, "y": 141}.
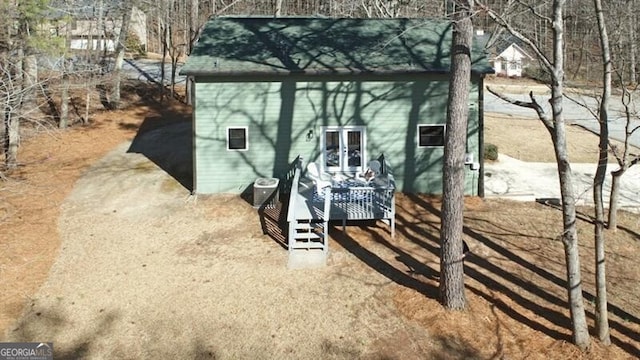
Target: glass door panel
{"x": 354, "y": 146}
{"x": 332, "y": 150}
{"x": 344, "y": 148}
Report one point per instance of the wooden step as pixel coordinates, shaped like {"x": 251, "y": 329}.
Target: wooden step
{"x": 308, "y": 245}
{"x": 308, "y": 236}
{"x": 304, "y": 226}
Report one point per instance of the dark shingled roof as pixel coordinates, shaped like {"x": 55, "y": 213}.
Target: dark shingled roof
{"x": 279, "y": 46}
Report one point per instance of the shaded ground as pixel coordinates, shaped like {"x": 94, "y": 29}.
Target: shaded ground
{"x": 144, "y": 268}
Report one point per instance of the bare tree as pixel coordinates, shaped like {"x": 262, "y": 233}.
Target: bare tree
{"x": 18, "y": 74}
{"x": 451, "y": 254}
{"x": 11, "y": 94}
{"x": 120, "y": 48}
{"x": 555, "y": 124}
{"x": 623, "y": 155}
{"x": 602, "y": 318}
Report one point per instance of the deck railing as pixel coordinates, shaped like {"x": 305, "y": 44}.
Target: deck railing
{"x": 375, "y": 200}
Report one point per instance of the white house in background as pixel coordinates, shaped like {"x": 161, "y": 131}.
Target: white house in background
{"x": 86, "y": 35}
{"x": 510, "y": 61}
{"x": 79, "y": 19}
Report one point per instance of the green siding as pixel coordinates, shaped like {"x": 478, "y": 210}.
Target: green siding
{"x": 279, "y": 114}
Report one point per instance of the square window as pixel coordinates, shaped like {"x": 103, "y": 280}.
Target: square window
{"x": 237, "y": 138}
{"x": 430, "y": 135}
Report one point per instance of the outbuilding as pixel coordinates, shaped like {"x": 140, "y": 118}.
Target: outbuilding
{"x": 338, "y": 92}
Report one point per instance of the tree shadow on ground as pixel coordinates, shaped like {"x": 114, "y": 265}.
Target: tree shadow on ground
{"x": 54, "y": 324}
{"x": 536, "y": 299}
{"x": 49, "y": 323}
{"x": 166, "y": 141}
{"x": 383, "y": 267}
{"x": 542, "y": 295}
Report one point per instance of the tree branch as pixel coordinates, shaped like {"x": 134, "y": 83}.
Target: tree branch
{"x": 533, "y": 104}
{"x": 534, "y": 12}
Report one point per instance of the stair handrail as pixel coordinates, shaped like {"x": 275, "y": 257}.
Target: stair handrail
{"x": 295, "y": 183}
{"x": 326, "y": 216}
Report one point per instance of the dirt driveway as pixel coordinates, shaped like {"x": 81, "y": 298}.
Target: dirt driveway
{"x": 145, "y": 268}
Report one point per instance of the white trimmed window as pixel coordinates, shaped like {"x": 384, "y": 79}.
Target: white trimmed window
{"x": 237, "y": 138}
{"x": 431, "y": 135}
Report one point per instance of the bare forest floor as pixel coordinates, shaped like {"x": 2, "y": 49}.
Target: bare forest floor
{"x": 110, "y": 256}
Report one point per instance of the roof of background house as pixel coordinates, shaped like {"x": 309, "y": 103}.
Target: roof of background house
{"x": 84, "y": 9}
{"x": 268, "y": 46}
{"x": 502, "y": 43}
{"x": 517, "y": 48}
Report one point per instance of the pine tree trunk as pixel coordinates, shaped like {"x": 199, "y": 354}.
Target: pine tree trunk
{"x": 451, "y": 257}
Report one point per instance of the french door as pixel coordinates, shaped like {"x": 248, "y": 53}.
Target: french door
{"x": 343, "y": 148}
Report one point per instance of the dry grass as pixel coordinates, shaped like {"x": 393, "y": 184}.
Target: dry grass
{"x": 536, "y": 146}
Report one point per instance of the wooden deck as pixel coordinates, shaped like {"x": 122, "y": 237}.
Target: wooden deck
{"x": 309, "y": 210}
{"x": 350, "y": 202}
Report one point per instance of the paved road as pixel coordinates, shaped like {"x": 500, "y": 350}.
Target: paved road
{"x": 574, "y": 113}
{"x": 149, "y": 70}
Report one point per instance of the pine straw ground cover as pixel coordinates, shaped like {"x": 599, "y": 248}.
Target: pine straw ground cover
{"x": 514, "y": 278}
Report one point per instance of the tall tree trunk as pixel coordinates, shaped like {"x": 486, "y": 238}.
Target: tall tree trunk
{"x": 6, "y": 122}
{"x": 64, "y": 101}
{"x": 570, "y": 234}
{"x": 87, "y": 108}
{"x": 119, "y": 62}
{"x": 451, "y": 256}
{"x": 174, "y": 69}
{"x": 165, "y": 45}
{"x": 13, "y": 110}
{"x": 632, "y": 43}
{"x": 194, "y": 30}
{"x": 614, "y": 194}
{"x": 30, "y": 82}
{"x": 602, "y": 318}
{"x": 28, "y": 72}
{"x": 100, "y": 33}
{"x": 12, "y": 138}
{"x": 278, "y": 9}
{"x": 64, "y": 96}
